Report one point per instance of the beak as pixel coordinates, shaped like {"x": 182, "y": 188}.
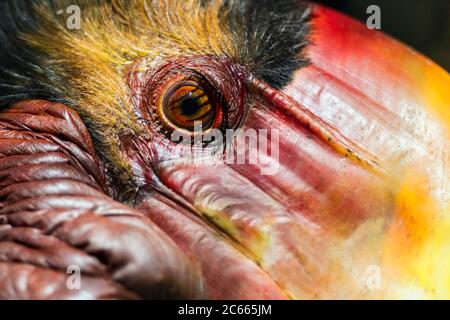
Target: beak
{"x": 316, "y": 201}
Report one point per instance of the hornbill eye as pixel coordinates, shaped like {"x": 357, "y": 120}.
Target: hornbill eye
{"x": 188, "y": 102}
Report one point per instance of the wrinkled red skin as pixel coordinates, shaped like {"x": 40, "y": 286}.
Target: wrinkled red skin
{"x": 228, "y": 273}
{"x": 54, "y": 213}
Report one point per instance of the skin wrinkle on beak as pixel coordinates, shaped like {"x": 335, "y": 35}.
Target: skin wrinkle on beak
{"x": 298, "y": 112}
{"x": 141, "y": 169}
{"x": 274, "y": 292}
{"x": 167, "y": 191}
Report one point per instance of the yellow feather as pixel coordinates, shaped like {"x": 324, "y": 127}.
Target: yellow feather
{"x": 113, "y": 35}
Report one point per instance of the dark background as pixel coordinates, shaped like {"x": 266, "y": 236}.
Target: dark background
{"x": 422, "y": 24}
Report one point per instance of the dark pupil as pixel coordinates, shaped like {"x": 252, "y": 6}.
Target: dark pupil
{"x": 189, "y": 106}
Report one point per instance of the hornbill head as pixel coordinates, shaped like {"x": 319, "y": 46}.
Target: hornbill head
{"x": 288, "y": 150}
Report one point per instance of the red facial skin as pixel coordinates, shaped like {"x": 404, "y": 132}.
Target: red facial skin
{"x": 56, "y": 217}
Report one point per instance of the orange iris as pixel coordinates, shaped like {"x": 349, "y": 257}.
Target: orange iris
{"x": 187, "y": 104}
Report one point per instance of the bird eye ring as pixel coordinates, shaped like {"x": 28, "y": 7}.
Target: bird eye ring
{"x": 189, "y": 103}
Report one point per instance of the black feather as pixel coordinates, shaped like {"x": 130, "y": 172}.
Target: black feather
{"x": 272, "y": 36}
{"x": 23, "y": 75}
